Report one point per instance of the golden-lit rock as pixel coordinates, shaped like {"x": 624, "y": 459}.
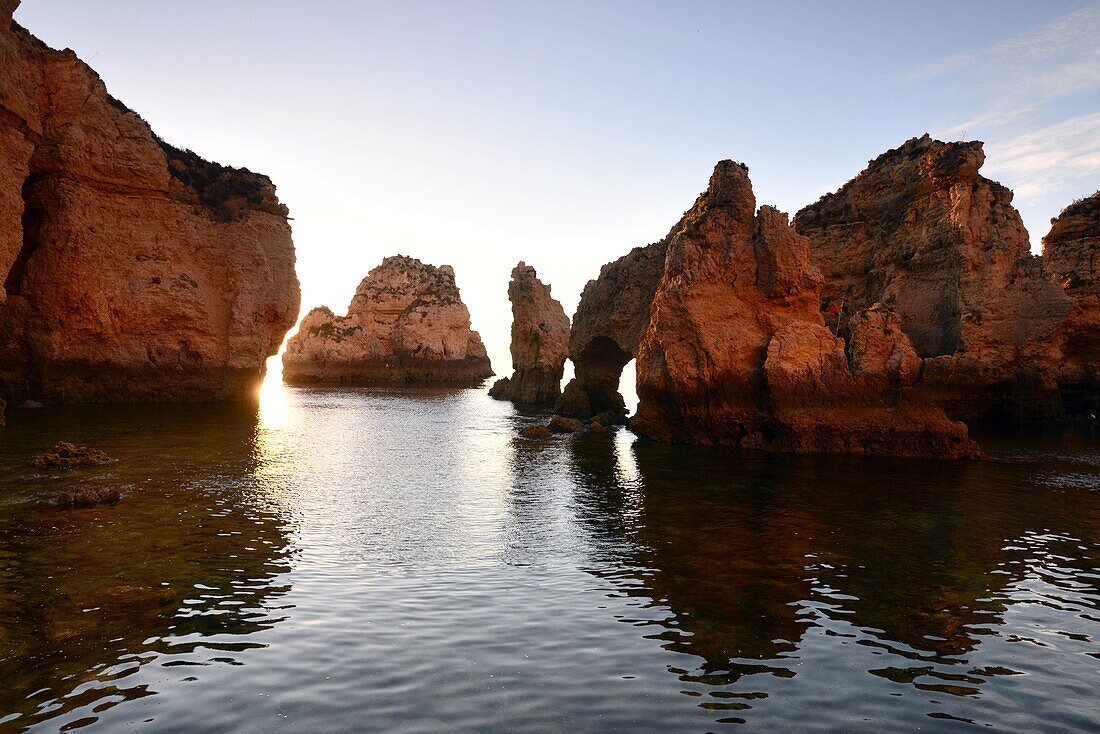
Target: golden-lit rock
{"x": 736, "y": 352}
{"x": 923, "y": 233}
{"x": 540, "y": 342}
{"x": 132, "y": 270}
{"x": 405, "y": 324}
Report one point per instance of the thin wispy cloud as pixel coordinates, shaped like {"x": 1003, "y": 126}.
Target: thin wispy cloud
{"x": 1023, "y": 97}
{"x": 1060, "y": 43}
{"x": 1049, "y": 158}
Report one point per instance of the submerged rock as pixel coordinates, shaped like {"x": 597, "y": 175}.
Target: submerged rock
{"x": 68, "y": 456}
{"x": 540, "y": 342}
{"x": 405, "y": 324}
{"x": 736, "y": 351}
{"x": 535, "y": 432}
{"x": 86, "y": 496}
{"x": 562, "y": 424}
{"x": 921, "y": 232}
{"x": 131, "y": 270}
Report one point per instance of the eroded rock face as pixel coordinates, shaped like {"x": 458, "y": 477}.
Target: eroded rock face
{"x": 540, "y": 342}
{"x": 822, "y": 405}
{"x": 611, "y": 317}
{"x": 923, "y": 233}
{"x": 406, "y": 324}
{"x": 736, "y": 351}
{"x": 879, "y": 346}
{"x": 1072, "y": 252}
{"x": 132, "y": 270}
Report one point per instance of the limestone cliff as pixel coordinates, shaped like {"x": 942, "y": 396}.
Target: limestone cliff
{"x": 1072, "y": 252}
{"x": 540, "y": 341}
{"x": 735, "y": 351}
{"x": 406, "y": 324}
{"x": 922, "y": 232}
{"x": 132, "y": 270}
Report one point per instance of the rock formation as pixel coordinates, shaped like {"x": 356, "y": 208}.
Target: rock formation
{"x": 540, "y": 342}
{"x": 735, "y": 351}
{"x": 922, "y": 232}
{"x": 132, "y": 270}
{"x": 1072, "y": 252}
{"x": 406, "y": 323}
{"x": 612, "y": 315}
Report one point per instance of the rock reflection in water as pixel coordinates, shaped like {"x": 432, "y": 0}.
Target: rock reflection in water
{"x": 99, "y": 605}
{"x": 918, "y": 562}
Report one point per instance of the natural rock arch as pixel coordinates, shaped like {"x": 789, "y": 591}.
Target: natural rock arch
{"x": 611, "y": 317}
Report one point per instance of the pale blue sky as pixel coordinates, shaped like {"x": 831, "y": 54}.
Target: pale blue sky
{"x": 563, "y": 134}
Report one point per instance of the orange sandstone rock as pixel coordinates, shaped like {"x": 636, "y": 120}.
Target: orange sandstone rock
{"x": 540, "y": 341}
{"x": 406, "y": 324}
{"x": 736, "y": 351}
{"x": 132, "y": 270}
{"x": 1072, "y": 252}
{"x": 923, "y": 233}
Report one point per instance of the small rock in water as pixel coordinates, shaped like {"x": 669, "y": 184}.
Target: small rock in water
{"x": 86, "y": 497}
{"x": 68, "y": 456}
{"x": 535, "y": 432}
{"x": 30, "y": 404}
{"x": 597, "y": 427}
{"x": 561, "y": 424}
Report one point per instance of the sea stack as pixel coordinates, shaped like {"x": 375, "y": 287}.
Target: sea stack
{"x": 132, "y": 270}
{"x": 540, "y": 342}
{"x": 405, "y": 324}
{"x": 736, "y": 351}
{"x": 923, "y": 233}
{"x": 1072, "y": 252}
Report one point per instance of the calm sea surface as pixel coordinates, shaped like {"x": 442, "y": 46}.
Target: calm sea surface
{"x": 401, "y": 561}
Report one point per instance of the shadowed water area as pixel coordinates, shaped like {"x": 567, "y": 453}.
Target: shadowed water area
{"x": 401, "y": 561}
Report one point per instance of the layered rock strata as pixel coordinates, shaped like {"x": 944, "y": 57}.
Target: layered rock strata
{"x": 405, "y": 324}
{"x": 1072, "y": 252}
{"x": 131, "y": 270}
{"x": 923, "y": 233}
{"x": 736, "y": 352}
{"x": 540, "y": 342}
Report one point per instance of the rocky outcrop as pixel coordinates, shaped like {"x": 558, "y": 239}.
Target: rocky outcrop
{"x": 540, "y": 342}
{"x": 132, "y": 270}
{"x": 406, "y": 324}
{"x": 1072, "y": 252}
{"x": 736, "y": 352}
{"x": 68, "y": 456}
{"x": 879, "y": 346}
{"x": 611, "y": 317}
{"x": 820, "y": 404}
{"x": 923, "y": 233}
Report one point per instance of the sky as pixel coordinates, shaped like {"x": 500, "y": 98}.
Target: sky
{"x": 563, "y": 134}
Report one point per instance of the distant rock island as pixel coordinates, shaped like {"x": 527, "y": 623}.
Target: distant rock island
{"x": 132, "y": 270}
{"x": 540, "y": 342}
{"x": 406, "y": 324}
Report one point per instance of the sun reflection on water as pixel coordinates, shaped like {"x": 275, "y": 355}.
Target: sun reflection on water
{"x": 273, "y": 398}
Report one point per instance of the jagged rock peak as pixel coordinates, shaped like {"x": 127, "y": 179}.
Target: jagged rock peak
{"x": 540, "y": 341}
{"x": 735, "y": 351}
{"x": 922, "y": 232}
